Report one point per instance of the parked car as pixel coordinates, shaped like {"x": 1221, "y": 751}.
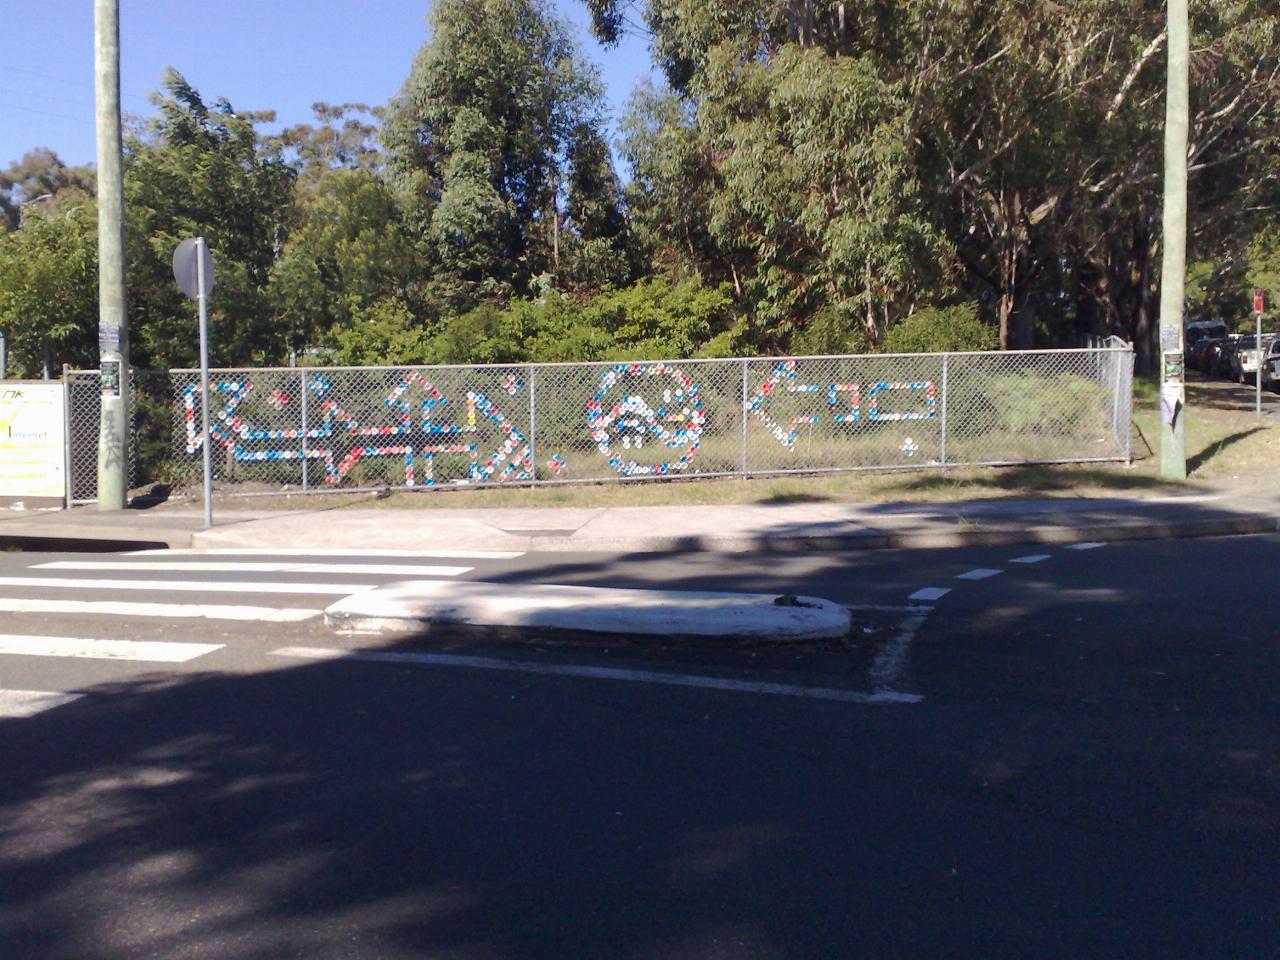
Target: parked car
{"x": 1271, "y": 366}
{"x": 1244, "y": 359}
{"x": 1199, "y": 356}
{"x": 1219, "y": 360}
{"x": 1197, "y": 332}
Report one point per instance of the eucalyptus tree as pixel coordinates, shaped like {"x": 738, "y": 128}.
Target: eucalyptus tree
{"x": 1033, "y": 132}
{"x": 784, "y": 162}
{"x": 203, "y": 169}
{"x": 38, "y": 175}
{"x": 480, "y": 139}
{"x": 343, "y": 136}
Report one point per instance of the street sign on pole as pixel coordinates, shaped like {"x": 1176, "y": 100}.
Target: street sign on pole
{"x": 193, "y": 269}
{"x": 1258, "y": 304}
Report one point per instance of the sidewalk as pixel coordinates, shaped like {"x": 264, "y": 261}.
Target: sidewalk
{"x": 1247, "y": 507}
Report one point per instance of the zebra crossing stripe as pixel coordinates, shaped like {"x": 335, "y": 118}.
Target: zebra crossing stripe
{"x": 123, "y": 608}
{"x": 388, "y": 554}
{"x": 150, "y": 651}
{"x": 245, "y": 566}
{"x": 188, "y": 586}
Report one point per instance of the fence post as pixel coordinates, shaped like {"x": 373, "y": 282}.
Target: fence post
{"x": 533, "y": 424}
{"x": 1127, "y": 370}
{"x": 68, "y": 454}
{"x": 1113, "y": 379}
{"x": 306, "y": 466}
{"x": 945, "y": 373}
{"x": 743, "y": 416}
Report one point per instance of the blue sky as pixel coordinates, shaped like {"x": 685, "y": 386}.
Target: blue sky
{"x": 282, "y": 55}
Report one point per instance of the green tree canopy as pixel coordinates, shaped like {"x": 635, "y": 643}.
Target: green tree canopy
{"x": 49, "y": 289}
{"x": 1031, "y": 133}
{"x": 40, "y": 177}
{"x": 482, "y": 139}
{"x": 204, "y": 171}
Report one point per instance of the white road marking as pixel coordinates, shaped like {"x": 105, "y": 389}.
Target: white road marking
{"x": 887, "y": 608}
{"x": 1084, "y": 546}
{"x": 930, "y": 593}
{"x": 307, "y": 552}
{"x": 238, "y": 566}
{"x": 886, "y": 669}
{"x": 982, "y": 573}
{"x": 144, "y": 650}
{"x": 122, "y": 608}
{"x": 27, "y": 703}
{"x": 188, "y": 586}
{"x": 602, "y": 673}
{"x": 1032, "y": 558}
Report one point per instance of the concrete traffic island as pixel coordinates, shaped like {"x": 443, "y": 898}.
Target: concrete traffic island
{"x": 425, "y": 606}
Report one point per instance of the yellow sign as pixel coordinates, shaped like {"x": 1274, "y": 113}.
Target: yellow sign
{"x": 32, "y": 440}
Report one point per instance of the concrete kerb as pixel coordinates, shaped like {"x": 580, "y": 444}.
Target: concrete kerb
{"x": 505, "y": 610}
{"x": 90, "y": 539}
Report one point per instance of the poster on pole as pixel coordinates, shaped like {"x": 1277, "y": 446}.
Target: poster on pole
{"x": 33, "y": 443}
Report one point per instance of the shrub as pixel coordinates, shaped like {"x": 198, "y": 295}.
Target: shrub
{"x": 648, "y": 320}
{"x": 956, "y": 329}
{"x": 831, "y": 331}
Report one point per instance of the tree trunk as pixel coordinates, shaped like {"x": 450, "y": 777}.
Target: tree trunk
{"x": 555, "y": 234}
{"x": 1146, "y": 328}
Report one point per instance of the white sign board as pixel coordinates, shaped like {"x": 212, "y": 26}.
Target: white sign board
{"x": 32, "y": 440}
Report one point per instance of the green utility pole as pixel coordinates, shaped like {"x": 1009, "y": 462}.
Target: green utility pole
{"x": 1173, "y": 393}
{"x": 113, "y": 340}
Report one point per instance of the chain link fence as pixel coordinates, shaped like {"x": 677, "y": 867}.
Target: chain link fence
{"x": 321, "y": 429}
{"x": 151, "y": 436}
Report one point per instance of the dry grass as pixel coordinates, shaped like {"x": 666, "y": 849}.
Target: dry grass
{"x": 1220, "y": 444}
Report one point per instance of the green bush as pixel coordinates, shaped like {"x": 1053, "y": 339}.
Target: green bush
{"x": 648, "y": 320}
{"x": 382, "y": 333}
{"x": 956, "y": 329}
{"x": 831, "y": 331}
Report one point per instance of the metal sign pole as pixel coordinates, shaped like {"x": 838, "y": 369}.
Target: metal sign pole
{"x": 204, "y": 384}
{"x": 1257, "y": 374}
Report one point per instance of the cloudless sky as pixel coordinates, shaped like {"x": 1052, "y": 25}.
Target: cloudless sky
{"x": 280, "y": 55}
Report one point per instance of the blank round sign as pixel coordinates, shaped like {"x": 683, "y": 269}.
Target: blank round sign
{"x": 184, "y": 268}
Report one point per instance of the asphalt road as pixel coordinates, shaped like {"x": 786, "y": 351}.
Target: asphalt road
{"x": 1091, "y": 769}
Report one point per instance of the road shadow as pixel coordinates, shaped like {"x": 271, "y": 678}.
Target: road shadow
{"x": 342, "y": 809}
{"x": 345, "y": 809}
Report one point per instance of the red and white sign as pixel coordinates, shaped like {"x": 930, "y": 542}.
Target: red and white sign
{"x": 1257, "y": 301}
